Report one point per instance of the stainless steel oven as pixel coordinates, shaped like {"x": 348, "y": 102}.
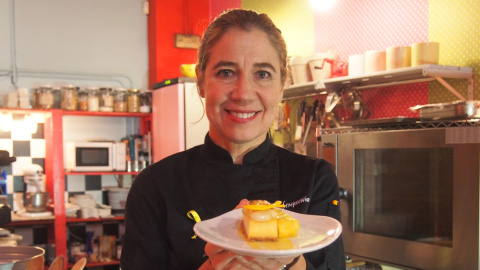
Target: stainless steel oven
{"x": 411, "y": 197}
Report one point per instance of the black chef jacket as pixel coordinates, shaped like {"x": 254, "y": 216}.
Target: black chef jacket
{"x": 158, "y": 231}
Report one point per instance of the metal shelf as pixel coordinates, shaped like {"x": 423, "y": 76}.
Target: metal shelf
{"x": 407, "y": 75}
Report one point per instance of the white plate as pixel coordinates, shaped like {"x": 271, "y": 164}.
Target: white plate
{"x": 315, "y": 232}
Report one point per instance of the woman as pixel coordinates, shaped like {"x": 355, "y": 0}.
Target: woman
{"x": 241, "y": 72}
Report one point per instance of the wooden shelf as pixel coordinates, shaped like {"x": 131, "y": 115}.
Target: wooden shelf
{"x": 94, "y": 220}
{"x": 100, "y": 173}
{"x": 112, "y": 262}
{"x": 32, "y": 222}
{"x": 78, "y": 113}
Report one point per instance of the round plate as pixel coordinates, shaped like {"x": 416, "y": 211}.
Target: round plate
{"x": 315, "y": 232}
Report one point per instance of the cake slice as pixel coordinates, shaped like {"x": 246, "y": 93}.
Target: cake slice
{"x": 261, "y": 222}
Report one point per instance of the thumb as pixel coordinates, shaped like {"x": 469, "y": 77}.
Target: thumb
{"x": 242, "y": 203}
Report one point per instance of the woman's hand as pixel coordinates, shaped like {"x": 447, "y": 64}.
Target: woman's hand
{"x": 221, "y": 259}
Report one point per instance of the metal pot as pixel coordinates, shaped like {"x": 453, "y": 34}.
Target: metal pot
{"x": 36, "y": 202}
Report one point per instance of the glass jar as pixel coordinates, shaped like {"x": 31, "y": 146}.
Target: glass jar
{"x": 120, "y": 100}
{"x": 82, "y": 100}
{"x": 93, "y": 99}
{"x": 57, "y": 97}
{"x": 106, "y": 100}
{"x": 44, "y": 97}
{"x": 145, "y": 102}
{"x": 69, "y": 97}
{"x": 133, "y": 100}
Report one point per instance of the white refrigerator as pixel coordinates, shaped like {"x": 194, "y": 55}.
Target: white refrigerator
{"x": 178, "y": 118}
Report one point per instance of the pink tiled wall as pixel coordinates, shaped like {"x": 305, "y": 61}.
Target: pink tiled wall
{"x": 356, "y": 26}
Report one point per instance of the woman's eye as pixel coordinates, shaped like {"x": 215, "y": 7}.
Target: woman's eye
{"x": 225, "y": 73}
{"x": 263, "y": 74}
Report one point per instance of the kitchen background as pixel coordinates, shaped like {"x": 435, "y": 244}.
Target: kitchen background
{"x": 112, "y": 43}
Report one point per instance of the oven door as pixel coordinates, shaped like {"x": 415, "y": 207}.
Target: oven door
{"x": 410, "y": 196}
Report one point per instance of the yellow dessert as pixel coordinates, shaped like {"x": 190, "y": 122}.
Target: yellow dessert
{"x": 262, "y": 221}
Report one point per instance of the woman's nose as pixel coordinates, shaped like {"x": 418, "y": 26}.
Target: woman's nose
{"x": 243, "y": 89}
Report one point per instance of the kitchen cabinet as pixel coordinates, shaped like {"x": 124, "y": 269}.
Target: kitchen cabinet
{"x": 422, "y": 73}
{"x": 180, "y": 122}
{"x": 56, "y": 174}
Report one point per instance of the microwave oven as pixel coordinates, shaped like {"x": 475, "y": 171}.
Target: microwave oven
{"x": 410, "y": 198}
{"x": 95, "y": 156}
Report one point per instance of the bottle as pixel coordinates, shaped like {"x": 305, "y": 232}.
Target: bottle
{"x": 106, "y": 100}
{"x": 45, "y": 97}
{"x": 82, "y": 100}
{"x": 133, "y": 100}
{"x": 145, "y": 102}
{"x": 69, "y": 97}
{"x": 120, "y": 100}
{"x": 93, "y": 99}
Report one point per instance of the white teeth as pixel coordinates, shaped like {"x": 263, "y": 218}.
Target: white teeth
{"x": 243, "y": 115}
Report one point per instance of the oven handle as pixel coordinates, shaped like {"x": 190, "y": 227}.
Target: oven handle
{"x": 344, "y": 194}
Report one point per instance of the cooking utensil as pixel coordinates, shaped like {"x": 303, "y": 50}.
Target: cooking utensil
{"x": 36, "y": 201}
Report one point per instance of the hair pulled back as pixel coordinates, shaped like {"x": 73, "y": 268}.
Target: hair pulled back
{"x": 247, "y": 20}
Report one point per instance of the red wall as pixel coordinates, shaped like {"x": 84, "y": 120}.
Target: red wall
{"x": 168, "y": 18}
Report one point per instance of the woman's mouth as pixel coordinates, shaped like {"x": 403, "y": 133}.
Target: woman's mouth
{"x": 242, "y": 115}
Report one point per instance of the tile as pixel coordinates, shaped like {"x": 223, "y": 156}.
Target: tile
{"x": 111, "y": 180}
{"x": 93, "y": 182}
{"x": 18, "y": 184}
{"x": 7, "y": 145}
{"x": 9, "y": 186}
{"x": 39, "y": 161}
{"x": 21, "y": 148}
{"x": 37, "y": 148}
{"x": 76, "y": 183}
{"x": 27, "y": 234}
{"x": 20, "y": 131}
{"x": 20, "y": 164}
{"x": 5, "y": 134}
{"x": 17, "y": 201}
{"x": 96, "y": 194}
{"x": 39, "y": 134}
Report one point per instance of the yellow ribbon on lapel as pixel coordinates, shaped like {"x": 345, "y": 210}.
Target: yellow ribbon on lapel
{"x": 192, "y": 214}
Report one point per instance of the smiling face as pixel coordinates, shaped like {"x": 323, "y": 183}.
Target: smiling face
{"x": 241, "y": 85}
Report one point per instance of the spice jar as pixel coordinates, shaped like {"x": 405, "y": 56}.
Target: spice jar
{"x": 133, "y": 100}
{"x": 69, "y": 97}
{"x": 83, "y": 100}
{"x": 44, "y": 95}
{"x": 93, "y": 99}
{"x": 106, "y": 100}
{"x": 120, "y": 97}
{"x": 57, "y": 97}
{"x": 145, "y": 102}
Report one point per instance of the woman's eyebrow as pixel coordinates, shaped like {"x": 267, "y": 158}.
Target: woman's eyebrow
{"x": 224, "y": 64}
{"x": 265, "y": 65}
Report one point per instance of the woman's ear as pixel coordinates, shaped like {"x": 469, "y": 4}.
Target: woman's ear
{"x": 199, "y": 74}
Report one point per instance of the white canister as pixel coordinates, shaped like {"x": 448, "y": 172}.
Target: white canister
{"x": 375, "y": 61}
{"x": 425, "y": 53}
{"x": 356, "y": 64}
{"x": 300, "y": 70}
{"x": 398, "y": 57}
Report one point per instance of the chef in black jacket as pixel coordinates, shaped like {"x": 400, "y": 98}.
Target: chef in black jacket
{"x": 241, "y": 73}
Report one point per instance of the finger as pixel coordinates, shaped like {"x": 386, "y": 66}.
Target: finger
{"x": 248, "y": 263}
{"x": 222, "y": 259}
{"x": 211, "y": 249}
{"x": 242, "y": 203}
